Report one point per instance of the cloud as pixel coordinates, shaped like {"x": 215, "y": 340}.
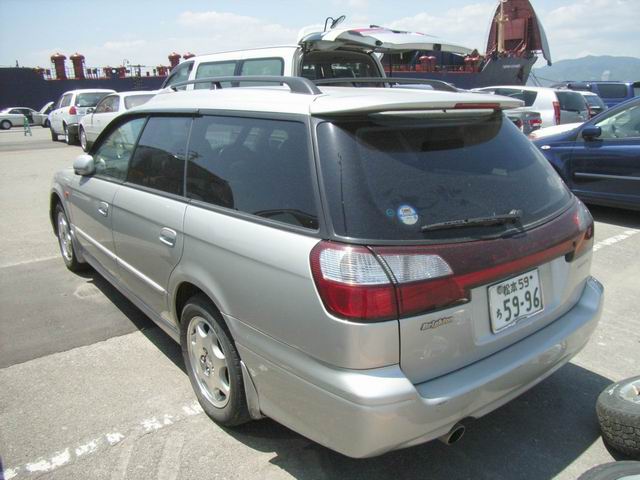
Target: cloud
{"x": 593, "y": 27}
{"x": 123, "y": 46}
{"x": 467, "y": 26}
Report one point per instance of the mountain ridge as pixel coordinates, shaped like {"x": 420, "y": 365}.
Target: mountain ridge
{"x": 591, "y": 67}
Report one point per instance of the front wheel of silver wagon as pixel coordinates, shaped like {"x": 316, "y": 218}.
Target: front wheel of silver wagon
{"x": 212, "y": 363}
{"x": 65, "y": 241}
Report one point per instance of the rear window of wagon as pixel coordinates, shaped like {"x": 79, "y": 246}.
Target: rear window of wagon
{"x": 384, "y": 180}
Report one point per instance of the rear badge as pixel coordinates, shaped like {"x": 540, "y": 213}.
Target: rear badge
{"x": 407, "y": 215}
{"x": 436, "y": 323}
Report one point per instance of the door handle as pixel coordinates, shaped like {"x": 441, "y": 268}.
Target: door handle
{"x": 168, "y": 236}
{"x": 103, "y": 208}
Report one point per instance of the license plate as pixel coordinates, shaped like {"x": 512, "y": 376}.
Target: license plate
{"x": 514, "y": 299}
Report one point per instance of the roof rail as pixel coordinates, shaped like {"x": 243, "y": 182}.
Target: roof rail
{"x": 436, "y": 84}
{"x": 295, "y": 84}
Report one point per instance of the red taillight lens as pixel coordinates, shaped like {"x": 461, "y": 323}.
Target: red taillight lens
{"x": 556, "y": 111}
{"x": 383, "y": 283}
{"x": 73, "y": 110}
{"x": 352, "y": 282}
{"x": 535, "y": 123}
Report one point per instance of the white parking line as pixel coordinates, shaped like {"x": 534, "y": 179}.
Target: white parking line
{"x": 70, "y": 454}
{"x": 26, "y": 262}
{"x": 615, "y": 239}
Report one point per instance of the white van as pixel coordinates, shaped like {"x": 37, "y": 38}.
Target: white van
{"x": 337, "y": 53}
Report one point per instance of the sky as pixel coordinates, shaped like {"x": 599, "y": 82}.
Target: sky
{"x": 108, "y": 32}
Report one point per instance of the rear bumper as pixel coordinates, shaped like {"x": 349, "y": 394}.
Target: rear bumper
{"x": 363, "y": 413}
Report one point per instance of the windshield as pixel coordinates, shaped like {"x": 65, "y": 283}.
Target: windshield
{"x": 89, "y": 99}
{"x": 136, "y": 100}
{"x": 384, "y": 180}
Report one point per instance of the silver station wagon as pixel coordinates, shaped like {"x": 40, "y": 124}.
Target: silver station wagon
{"x": 367, "y": 266}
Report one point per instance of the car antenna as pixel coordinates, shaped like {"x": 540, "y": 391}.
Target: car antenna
{"x": 334, "y": 22}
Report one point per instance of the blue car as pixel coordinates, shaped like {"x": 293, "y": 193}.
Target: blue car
{"x": 600, "y": 159}
{"x": 611, "y": 92}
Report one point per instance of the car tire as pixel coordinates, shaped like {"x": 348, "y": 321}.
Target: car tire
{"x": 54, "y": 135}
{"x": 45, "y": 124}
{"x": 618, "y": 409}
{"x": 65, "y": 241}
{"x": 611, "y": 471}
{"x": 213, "y": 363}
{"x": 69, "y": 138}
{"x": 83, "y": 140}
{"x": 5, "y": 125}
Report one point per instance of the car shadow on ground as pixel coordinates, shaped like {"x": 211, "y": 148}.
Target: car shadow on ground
{"x": 616, "y": 216}
{"x": 536, "y": 436}
{"x": 143, "y": 323}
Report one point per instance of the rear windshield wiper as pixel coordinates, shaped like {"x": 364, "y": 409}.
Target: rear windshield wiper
{"x": 512, "y": 217}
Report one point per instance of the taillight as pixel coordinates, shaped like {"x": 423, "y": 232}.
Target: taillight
{"x": 584, "y": 222}
{"x": 592, "y": 112}
{"x": 556, "y": 111}
{"x": 377, "y": 283}
{"x": 73, "y": 110}
{"x": 352, "y": 282}
{"x": 535, "y": 123}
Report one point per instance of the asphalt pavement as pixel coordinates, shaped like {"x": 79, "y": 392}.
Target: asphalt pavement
{"x": 91, "y": 388}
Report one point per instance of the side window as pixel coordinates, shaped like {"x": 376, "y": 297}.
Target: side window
{"x": 179, "y": 74}
{"x": 66, "y": 100}
{"x": 214, "y": 69}
{"x": 102, "y": 105}
{"x": 159, "y": 158}
{"x": 252, "y": 165}
{"x": 263, "y": 66}
{"x": 112, "y": 156}
{"x": 624, "y": 124}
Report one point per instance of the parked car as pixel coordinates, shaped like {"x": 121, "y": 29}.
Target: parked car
{"x": 594, "y": 102}
{"x": 96, "y": 119}
{"x": 336, "y": 53}
{"x": 44, "y": 112}
{"x": 14, "y": 117}
{"x": 555, "y": 106}
{"x": 312, "y": 251}
{"x": 600, "y": 159}
{"x": 69, "y": 109}
{"x": 612, "y": 93}
{"x": 525, "y": 120}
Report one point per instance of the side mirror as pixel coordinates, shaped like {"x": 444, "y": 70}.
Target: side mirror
{"x": 90, "y": 110}
{"x": 83, "y": 165}
{"x": 590, "y": 132}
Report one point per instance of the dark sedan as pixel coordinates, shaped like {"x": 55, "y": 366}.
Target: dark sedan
{"x": 600, "y": 159}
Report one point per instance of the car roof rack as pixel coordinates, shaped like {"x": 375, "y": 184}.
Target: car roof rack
{"x": 295, "y": 84}
{"x": 435, "y": 84}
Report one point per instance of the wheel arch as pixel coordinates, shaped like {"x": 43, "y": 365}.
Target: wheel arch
{"x": 54, "y": 200}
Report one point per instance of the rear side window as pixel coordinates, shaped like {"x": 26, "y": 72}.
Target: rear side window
{"x": 214, "y": 69}
{"x": 255, "y": 166}
{"x": 66, "y": 100}
{"x": 89, "y": 99}
{"x": 386, "y": 180}
{"x": 179, "y": 74}
{"x": 112, "y": 155}
{"x": 612, "y": 90}
{"x": 571, "y": 101}
{"x": 595, "y": 101}
{"x": 158, "y": 161}
{"x": 263, "y": 66}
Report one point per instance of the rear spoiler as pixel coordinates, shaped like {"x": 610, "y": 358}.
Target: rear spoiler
{"x": 391, "y": 81}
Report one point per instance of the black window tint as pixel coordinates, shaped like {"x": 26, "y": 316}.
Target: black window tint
{"x": 595, "y": 101}
{"x": 254, "y": 166}
{"x": 571, "y": 101}
{"x": 159, "y": 158}
{"x": 612, "y": 90}
{"x": 385, "y": 180}
{"x": 112, "y": 156}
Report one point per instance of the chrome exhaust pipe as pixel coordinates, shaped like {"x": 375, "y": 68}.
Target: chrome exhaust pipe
{"x": 455, "y": 434}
